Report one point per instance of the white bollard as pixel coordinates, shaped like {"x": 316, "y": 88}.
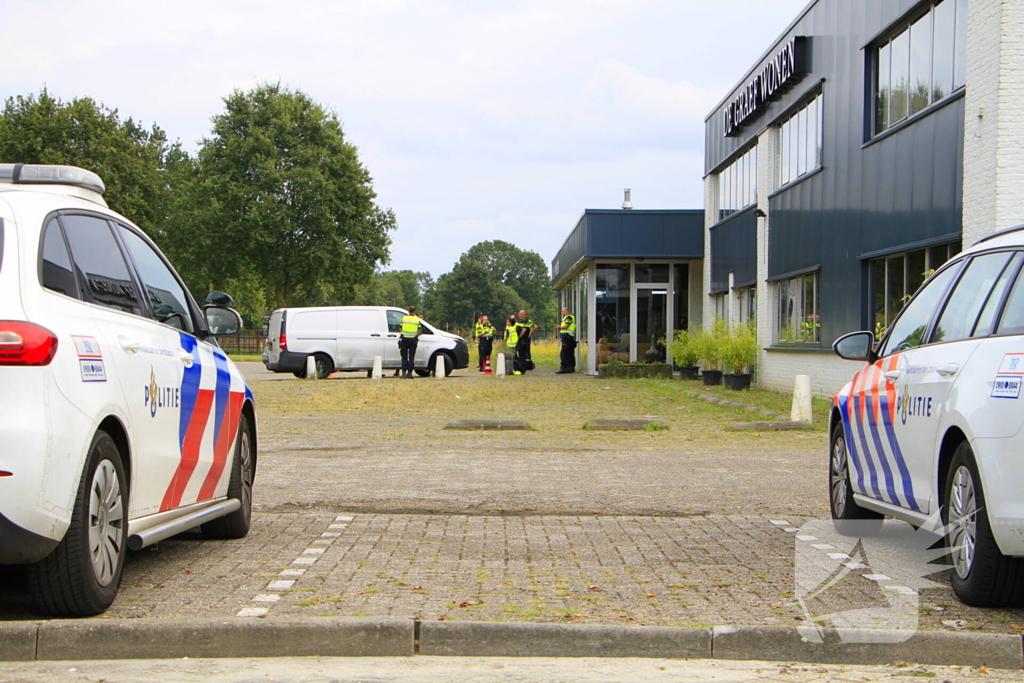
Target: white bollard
{"x": 311, "y": 368}
{"x": 801, "y": 411}
{"x": 378, "y": 368}
{"x": 499, "y": 369}
{"x": 439, "y": 366}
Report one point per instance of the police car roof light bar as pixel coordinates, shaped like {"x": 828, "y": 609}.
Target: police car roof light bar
{"x": 48, "y": 174}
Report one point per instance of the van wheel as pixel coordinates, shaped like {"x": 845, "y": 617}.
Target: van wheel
{"x": 243, "y": 472}
{"x": 81, "y": 576}
{"x": 324, "y": 365}
{"x": 848, "y": 518}
{"x": 981, "y": 575}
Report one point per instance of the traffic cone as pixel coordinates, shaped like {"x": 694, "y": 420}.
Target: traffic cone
{"x": 487, "y": 365}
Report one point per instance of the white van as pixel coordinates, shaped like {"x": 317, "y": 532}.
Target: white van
{"x": 346, "y": 338}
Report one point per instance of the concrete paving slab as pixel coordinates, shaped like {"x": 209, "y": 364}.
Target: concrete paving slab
{"x": 239, "y": 637}
{"x": 467, "y": 639}
{"x": 500, "y": 425}
{"x": 624, "y": 425}
{"x": 861, "y": 646}
{"x": 18, "y": 641}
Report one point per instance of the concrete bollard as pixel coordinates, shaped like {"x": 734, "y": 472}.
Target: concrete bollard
{"x": 801, "y": 411}
{"x": 378, "y": 368}
{"x": 439, "y": 366}
{"x": 499, "y": 368}
{"x": 311, "y": 368}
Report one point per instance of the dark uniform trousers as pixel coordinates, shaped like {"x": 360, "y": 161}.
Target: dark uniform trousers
{"x": 567, "y": 358}
{"x": 407, "y": 347}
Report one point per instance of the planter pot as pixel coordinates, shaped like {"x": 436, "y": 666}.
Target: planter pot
{"x": 712, "y": 377}
{"x": 630, "y": 371}
{"x": 737, "y": 382}
{"x": 689, "y": 372}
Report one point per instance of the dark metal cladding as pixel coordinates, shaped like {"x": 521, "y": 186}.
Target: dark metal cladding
{"x": 734, "y": 249}
{"x": 873, "y": 195}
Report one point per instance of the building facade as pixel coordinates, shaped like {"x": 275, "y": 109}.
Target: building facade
{"x": 631, "y": 277}
{"x": 870, "y": 142}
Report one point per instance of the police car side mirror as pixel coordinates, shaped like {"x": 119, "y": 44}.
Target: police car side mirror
{"x": 221, "y": 320}
{"x": 856, "y": 346}
{"x": 219, "y": 299}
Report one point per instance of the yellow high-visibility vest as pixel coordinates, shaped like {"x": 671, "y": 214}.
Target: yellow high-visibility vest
{"x": 410, "y": 326}
{"x": 511, "y": 336}
{"x": 569, "y": 324}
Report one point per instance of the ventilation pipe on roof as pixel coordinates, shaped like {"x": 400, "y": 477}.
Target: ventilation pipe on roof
{"x": 627, "y": 203}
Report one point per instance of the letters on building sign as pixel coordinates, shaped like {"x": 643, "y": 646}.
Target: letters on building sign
{"x": 779, "y": 73}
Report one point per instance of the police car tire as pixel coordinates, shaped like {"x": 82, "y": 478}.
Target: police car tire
{"x": 993, "y": 579}
{"x": 64, "y": 583}
{"x": 852, "y": 519}
{"x": 243, "y": 472}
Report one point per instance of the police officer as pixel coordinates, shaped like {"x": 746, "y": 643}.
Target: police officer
{"x": 408, "y": 341}
{"x": 511, "y": 341}
{"x": 484, "y": 332}
{"x": 568, "y": 355}
{"x": 525, "y": 329}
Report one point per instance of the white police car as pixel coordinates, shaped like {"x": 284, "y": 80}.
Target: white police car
{"x": 121, "y": 420}
{"x": 933, "y": 422}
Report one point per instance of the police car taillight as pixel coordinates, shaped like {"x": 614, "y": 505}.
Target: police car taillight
{"x": 282, "y": 342}
{"x": 24, "y": 343}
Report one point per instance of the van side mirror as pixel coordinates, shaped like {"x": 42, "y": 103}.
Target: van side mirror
{"x": 221, "y": 320}
{"x": 219, "y": 299}
{"x": 856, "y": 346}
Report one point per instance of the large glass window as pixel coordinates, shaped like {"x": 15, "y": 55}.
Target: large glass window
{"x": 894, "y": 279}
{"x": 737, "y": 184}
{"x": 748, "y": 304}
{"x": 910, "y": 328}
{"x": 800, "y": 141}
{"x": 923, "y": 62}
{"x": 799, "y": 318}
{"x": 613, "y": 305}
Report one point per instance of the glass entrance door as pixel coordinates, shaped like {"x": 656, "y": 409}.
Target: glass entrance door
{"x": 651, "y": 323}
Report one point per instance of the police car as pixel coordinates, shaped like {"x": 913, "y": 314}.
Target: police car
{"x": 121, "y": 420}
{"x": 932, "y": 426}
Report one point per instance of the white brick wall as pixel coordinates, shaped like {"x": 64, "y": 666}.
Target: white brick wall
{"x": 710, "y": 218}
{"x": 828, "y": 371}
{"x": 994, "y": 120}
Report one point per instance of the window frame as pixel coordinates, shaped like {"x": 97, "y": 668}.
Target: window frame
{"x": 880, "y": 329}
{"x": 791, "y": 132}
{"x": 778, "y": 326}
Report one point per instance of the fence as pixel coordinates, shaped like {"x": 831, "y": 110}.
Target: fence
{"x": 246, "y": 341}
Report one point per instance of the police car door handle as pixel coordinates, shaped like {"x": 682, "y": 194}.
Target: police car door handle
{"x": 186, "y": 358}
{"x": 947, "y": 370}
{"x": 130, "y": 347}
{"x": 893, "y": 375}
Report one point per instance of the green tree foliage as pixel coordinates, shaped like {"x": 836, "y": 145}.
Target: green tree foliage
{"x": 402, "y": 288}
{"x": 468, "y": 290}
{"x": 523, "y": 271}
{"x": 280, "y": 203}
{"x": 129, "y": 158}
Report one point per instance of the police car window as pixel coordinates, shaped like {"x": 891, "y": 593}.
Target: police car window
{"x": 988, "y": 314}
{"x": 1012, "y": 319}
{"x": 969, "y": 297}
{"x": 57, "y": 272}
{"x": 912, "y": 325}
{"x": 166, "y": 295}
{"x": 100, "y": 267}
{"x": 395, "y": 321}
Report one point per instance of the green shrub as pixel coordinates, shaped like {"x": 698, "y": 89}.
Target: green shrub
{"x": 739, "y": 350}
{"x": 685, "y": 350}
{"x": 710, "y": 344}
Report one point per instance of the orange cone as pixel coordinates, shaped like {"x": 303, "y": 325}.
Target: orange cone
{"x": 487, "y": 365}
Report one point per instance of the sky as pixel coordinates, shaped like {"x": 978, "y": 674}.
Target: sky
{"x": 478, "y": 120}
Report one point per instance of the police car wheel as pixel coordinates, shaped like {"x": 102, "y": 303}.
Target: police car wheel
{"x": 81, "y": 576}
{"x": 981, "y": 575}
{"x": 848, "y": 518}
{"x": 243, "y": 472}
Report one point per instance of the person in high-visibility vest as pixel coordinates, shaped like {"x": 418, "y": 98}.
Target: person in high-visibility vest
{"x": 484, "y": 332}
{"x": 408, "y": 341}
{"x": 568, "y": 355}
{"x": 525, "y": 329}
{"x": 511, "y": 340}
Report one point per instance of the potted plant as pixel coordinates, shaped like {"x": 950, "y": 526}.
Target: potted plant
{"x": 709, "y": 351}
{"x": 685, "y": 353}
{"x": 739, "y": 354}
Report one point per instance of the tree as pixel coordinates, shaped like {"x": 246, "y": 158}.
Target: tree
{"x": 467, "y": 291}
{"x": 129, "y": 158}
{"x": 523, "y": 271}
{"x": 283, "y": 203}
{"x": 401, "y": 288}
